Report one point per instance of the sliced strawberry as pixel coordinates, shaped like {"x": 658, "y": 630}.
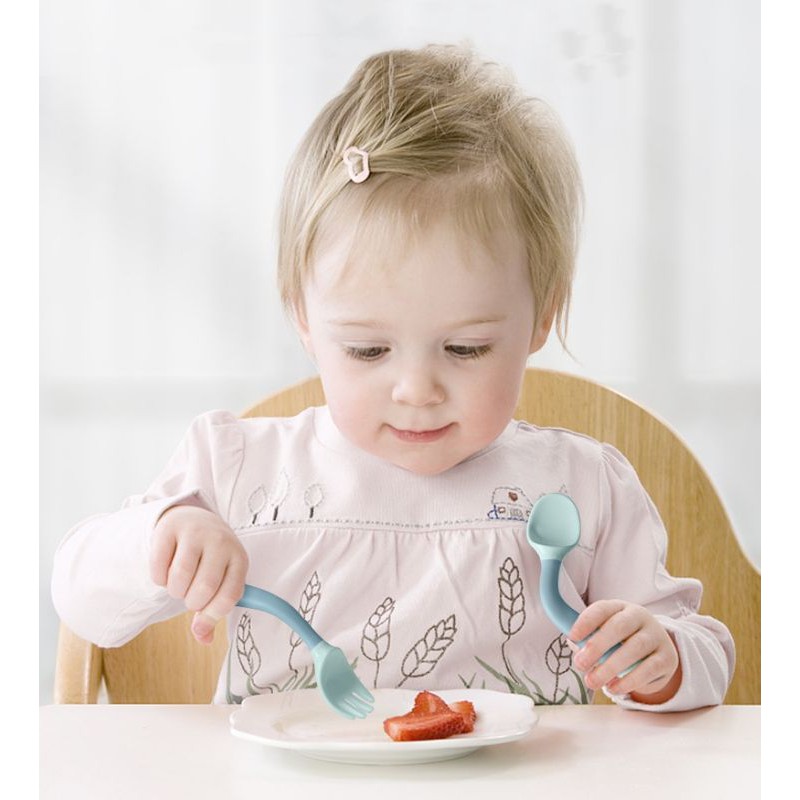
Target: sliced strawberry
{"x": 429, "y": 703}
{"x": 467, "y": 711}
{"x": 414, "y": 727}
{"x": 431, "y": 718}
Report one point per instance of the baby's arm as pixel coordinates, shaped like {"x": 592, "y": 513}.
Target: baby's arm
{"x": 632, "y": 596}
{"x": 102, "y": 584}
{"x": 200, "y": 560}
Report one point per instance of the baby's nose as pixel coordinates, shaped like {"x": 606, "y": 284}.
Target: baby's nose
{"x": 418, "y": 387}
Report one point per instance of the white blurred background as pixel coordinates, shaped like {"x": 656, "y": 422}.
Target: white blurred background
{"x": 165, "y": 128}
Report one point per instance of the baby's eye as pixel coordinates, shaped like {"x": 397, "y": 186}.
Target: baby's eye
{"x": 366, "y": 353}
{"x": 468, "y": 350}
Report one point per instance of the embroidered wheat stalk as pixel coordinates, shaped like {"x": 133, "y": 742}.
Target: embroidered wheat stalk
{"x": 246, "y": 650}
{"x": 308, "y": 606}
{"x": 559, "y": 660}
{"x": 511, "y": 606}
{"x": 426, "y": 653}
{"x": 376, "y": 638}
{"x": 248, "y": 654}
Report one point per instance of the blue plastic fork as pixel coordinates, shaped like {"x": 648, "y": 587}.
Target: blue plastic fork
{"x": 336, "y": 680}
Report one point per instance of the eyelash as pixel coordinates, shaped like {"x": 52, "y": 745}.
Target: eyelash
{"x": 466, "y": 351}
{"x": 366, "y": 353}
{"x": 460, "y": 351}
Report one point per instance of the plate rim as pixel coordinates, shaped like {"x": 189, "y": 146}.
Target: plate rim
{"x": 453, "y": 743}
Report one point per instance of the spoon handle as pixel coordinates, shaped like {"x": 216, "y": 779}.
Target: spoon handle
{"x": 561, "y": 614}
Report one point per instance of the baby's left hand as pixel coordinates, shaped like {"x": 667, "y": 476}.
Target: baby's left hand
{"x": 653, "y": 681}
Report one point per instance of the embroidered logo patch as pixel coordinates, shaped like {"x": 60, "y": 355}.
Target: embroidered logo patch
{"x": 509, "y": 502}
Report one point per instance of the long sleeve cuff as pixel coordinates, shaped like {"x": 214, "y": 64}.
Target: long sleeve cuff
{"x": 101, "y": 583}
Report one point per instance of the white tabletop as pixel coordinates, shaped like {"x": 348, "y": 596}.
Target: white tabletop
{"x": 596, "y": 752}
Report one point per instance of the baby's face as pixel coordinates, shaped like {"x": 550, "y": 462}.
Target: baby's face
{"x": 422, "y": 360}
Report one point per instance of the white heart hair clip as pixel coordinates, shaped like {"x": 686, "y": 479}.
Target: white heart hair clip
{"x": 357, "y": 163}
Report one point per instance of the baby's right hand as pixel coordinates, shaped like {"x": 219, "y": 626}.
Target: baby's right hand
{"x": 197, "y": 556}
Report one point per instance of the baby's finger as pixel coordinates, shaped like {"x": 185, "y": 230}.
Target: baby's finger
{"x": 645, "y": 680}
{"x": 618, "y": 628}
{"x": 650, "y": 676}
{"x": 631, "y": 655}
{"x": 230, "y": 590}
{"x": 602, "y": 649}
{"x": 205, "y": 584}
{"x": 162, "y": 551}
{"x": 593, "y": 617}
{"x": 633, "y": 683}
{"x": 607, "y": 633}
{"x": 203, "y": 628}
{"x": 182, "y": 569}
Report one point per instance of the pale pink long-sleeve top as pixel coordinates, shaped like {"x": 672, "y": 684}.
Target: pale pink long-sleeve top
{"x": 424, "y": 582}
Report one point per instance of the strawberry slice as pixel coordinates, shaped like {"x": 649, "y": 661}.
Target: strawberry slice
{"x": 429, "y": 703}
{"x": 467, "y": 711}
{"x": 431, "y": 718}
{"x": 416, "y": 727}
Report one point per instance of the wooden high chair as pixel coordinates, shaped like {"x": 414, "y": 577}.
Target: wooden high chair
{"x": 164, "y": 664}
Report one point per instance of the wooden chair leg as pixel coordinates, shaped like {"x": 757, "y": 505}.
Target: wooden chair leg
{"x": 79, "y": 666}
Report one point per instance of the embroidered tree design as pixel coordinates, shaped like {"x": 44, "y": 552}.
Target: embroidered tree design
{"x": 278, "y": 493}
{"x": 256, "y": 502}
{"x": 312, "y": 497}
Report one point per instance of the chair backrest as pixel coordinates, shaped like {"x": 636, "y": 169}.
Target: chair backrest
{"x": 165, "y": 665}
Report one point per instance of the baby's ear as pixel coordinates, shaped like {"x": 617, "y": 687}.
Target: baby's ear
{"x": 541, "y": 329}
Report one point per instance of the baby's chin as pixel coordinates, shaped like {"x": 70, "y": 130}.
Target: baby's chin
{"x": 423, "y": 459}
{"x": 425, "y": 471}
{"x": 423, "y": 465}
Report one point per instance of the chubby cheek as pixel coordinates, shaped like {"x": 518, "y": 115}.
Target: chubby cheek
{"x": 492, "y": 393}
{"x": 489, "y": 408}
{"x": 351, "y": 404}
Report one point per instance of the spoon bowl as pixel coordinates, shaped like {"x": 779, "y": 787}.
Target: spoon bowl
{"x": 554, "y": 526}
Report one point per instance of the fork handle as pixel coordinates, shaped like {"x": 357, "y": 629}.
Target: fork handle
{"x": 262, "y": 600}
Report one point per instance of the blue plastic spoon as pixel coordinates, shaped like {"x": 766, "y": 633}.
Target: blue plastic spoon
{"x": 554, "y": 528}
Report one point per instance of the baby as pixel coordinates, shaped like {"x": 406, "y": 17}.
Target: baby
{"x": 427, "y": 243}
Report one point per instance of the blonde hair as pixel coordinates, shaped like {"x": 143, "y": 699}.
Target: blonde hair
{"x": 446, "y": 133}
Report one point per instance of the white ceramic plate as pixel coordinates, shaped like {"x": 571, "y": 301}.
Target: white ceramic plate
{"x": 303, "y": 722}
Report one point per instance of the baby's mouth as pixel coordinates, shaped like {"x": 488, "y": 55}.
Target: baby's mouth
{"x": 431, "y": 435}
